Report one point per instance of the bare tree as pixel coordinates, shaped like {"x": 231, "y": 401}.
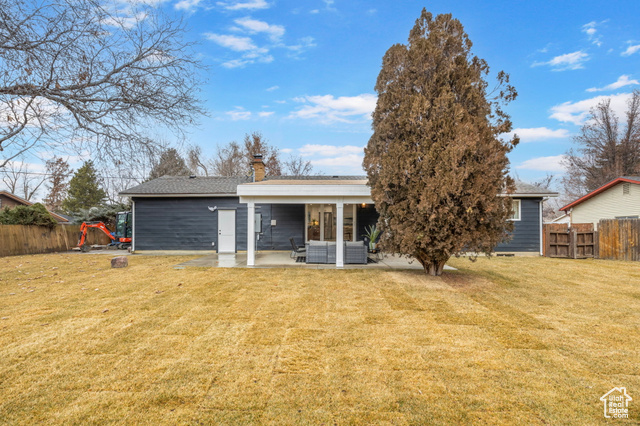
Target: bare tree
{"x": 90, "y": 75}
{"x": 605, "y": 151}
{"x": 196, "y": 161}
{"x": 254, "y": 144}
{"x": 58, "y": 174}
{"x": 296, "y": 166}
{"x": 229, "y": 161}
{"x": 20, "y": 181}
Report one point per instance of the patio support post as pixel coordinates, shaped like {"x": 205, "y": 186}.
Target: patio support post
{"x": 251, "y": 234}
{"x": 340, "y": 234}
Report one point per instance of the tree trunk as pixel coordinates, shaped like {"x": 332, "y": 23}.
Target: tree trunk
{"x": 432, "y": 265}
{"x": 434, "y": 268}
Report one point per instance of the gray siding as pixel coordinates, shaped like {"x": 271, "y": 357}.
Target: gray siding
{"x": 526, "y": 234}
{"x": 289, "y": 223}
{"x": 184, "y": 223}
{"x": 187, "y": 224}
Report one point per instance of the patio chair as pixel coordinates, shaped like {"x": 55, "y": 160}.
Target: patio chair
{"x": 317, "y": 252}
{"x": 355, "y": 252}
{"x": 295, "y": 250}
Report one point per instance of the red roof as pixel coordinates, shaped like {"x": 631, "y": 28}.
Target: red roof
{"x": 629, "y": 179}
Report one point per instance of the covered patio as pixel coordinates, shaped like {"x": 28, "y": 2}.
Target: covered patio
{"x": 327, "y": 204}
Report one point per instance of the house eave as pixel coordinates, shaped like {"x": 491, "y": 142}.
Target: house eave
{"x": 176, "y": 195}
{"x": 598, "y": 191}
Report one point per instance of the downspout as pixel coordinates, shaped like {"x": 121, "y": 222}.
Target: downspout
{"x": 541, "y": 227}
{"x": 133, "y": 226}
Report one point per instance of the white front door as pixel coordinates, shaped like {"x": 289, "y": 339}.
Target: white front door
{"x": 226, "y": 231}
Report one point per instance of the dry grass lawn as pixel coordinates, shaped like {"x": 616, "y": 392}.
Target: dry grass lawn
{"x": 500, "y": 341}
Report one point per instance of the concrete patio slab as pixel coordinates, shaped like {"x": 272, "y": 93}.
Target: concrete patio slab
{"x": 281, "y": 259}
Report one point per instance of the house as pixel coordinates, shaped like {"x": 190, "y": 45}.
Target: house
{"x": 9, "y": 200}
{"x": 211, "y": 213}
{"x": 617, "y": 199}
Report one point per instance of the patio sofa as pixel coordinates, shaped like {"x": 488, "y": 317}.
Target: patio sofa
{"x": 325, "y": 252}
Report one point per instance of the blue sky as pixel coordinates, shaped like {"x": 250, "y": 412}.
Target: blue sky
{"x": 303, "y": 72}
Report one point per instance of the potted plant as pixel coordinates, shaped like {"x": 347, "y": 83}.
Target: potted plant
{"x": 372, "y": 233}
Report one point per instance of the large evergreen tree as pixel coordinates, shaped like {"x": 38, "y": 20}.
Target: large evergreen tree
{"x": 170, "y": 163}
{"x": 84, "y": 190}
{"x": 435, "y": 164}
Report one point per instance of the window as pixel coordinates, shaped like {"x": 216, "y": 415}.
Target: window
{"x": 322, "y": 221}
{"x": 515, "y": 210}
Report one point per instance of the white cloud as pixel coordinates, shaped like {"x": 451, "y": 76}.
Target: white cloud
{"x": 577, "y": 112}
{"x": 535, "y": 134}
{"x": 330, "y": 150}
{"x": 251, "y": 52}
{"x": 187, "y": 5}
{"x": 332, "y": 159}
{"x": 265, "y": 113}
{"x": 253, "y": 26}
{"x": 329, "y": 109}
{"x": 568, "y": 61}
{"x": 286, "y": 150}
{"x": 545, "y": 164}
{"x": 622, "y": 81}
{"x": 633, "y": 48}
{"x": 352, "y": 161}
{"x": 303, "y": 44}
{"x": 246, "y": 5}
{"x": 235, "y": 63}
{"x": 272, "y": 88}
{"x": 239, "y": 114}
{"x": 239, "y": 44}
{"x": 591, "y": 32}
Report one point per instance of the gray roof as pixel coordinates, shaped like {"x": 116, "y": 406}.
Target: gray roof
{"x": 523, "y": 188}
{"x": 185, "y": 185}
{"x": 217, "y": 185}
{"x": 213, "y": 185}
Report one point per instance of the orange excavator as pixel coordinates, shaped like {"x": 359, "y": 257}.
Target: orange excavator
{"x": 121, "y": 238}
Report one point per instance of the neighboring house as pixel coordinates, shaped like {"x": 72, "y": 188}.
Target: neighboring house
{"x": 210, "y": 213}
{"x": 10, "y": 200}
{"x": 618, "y": 199}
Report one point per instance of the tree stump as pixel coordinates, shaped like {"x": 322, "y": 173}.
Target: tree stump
{"x": 120, "y": 262}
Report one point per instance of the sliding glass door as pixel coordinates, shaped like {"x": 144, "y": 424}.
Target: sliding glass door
{"x": 321, "y": 222}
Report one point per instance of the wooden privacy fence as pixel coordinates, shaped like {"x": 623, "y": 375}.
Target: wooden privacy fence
{"x": 619, "y": 239}
{"x": 616, "y": 239}
{"x": 20, "y": 239}
{"x": 578, "y": 242}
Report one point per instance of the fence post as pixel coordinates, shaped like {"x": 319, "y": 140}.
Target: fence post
{"x": 573, "y": 244}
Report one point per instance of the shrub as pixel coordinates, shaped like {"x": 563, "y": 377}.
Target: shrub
{"x": 35, "y": 214}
